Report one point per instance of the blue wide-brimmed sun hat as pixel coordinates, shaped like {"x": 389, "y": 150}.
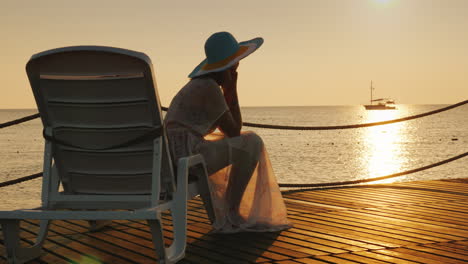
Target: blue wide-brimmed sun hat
{"x": 223, "y": 51}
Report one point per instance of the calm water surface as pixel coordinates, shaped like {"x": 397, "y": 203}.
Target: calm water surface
{"x": 297, "y": 156}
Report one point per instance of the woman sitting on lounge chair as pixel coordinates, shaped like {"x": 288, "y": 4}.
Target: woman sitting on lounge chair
{"x": 245, "y": 194}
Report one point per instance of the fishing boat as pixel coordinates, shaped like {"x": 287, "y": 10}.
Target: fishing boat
{"x": 380, "y": 103}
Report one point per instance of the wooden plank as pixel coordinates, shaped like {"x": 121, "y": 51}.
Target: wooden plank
{"x": 433, "y": 185}
{"x": 221, "y": 255}
{"x": 440, "y": 252}
{"x": 286, "y": 262}
{"x": 305, "y": 207}
{"x": 397, "y": 197}
{"x": 434, "y": 257}
{"x": 436, "y": 211}
{"x": 408, "y": 216}
{"x": 99, "y": 250}
{"x": 116, "y": 238}
{"x": 450, "y": 247}
{"x": 407, "y": 257}
{"x": 350, "y": 233}
{"x": 383, "y": 257}
{"x": 360, "y": 199}
{"x": 332, "y": 200}
{"x": 350, "y": 244}
{"x": 55, "y": 252}
{"x": 142, "y": 238}
{"x": 335, "y": 259}
{"x": 386, "y": 227}
{"x": 266, "y": 247}
{"x": 310, "y": 261}
{"x": 407, "y": 226}
{"x": 326, "y": 240}
{"x": 373, "y": 230}
{"x": 361, "y": 259}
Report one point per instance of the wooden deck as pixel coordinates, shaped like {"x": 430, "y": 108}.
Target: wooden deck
{"x": 416, "y": 222}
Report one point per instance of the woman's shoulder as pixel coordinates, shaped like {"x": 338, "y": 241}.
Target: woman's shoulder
{"x": 203, "y": 82}
{"x": 202, "y": 87}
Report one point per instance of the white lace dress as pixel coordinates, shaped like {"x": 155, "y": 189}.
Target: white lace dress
{"x": 190, "y": 122}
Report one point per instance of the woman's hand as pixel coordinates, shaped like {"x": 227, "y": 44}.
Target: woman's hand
{"x": 231, "y": 122}
{"x": 230, "y": 85}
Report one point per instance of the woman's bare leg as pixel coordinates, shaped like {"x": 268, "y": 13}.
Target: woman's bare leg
{"x": 244, "y": 161}
{"x": 241, "y": 172}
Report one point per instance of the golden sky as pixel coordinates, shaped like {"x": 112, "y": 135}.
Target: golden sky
{"x": 316, "y": 52}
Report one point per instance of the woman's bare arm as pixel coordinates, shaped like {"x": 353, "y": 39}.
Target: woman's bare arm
{"x": 231, "y": 122}
{"x": 228, "y": 125}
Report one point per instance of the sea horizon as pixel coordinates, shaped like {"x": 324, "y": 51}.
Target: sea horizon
{"x": 271, "y": 106}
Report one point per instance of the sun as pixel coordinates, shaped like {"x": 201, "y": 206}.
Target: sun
{"x": 383, "y": 3}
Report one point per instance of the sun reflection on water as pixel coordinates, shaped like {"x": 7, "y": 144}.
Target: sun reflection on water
{"x": 383, "y": 145}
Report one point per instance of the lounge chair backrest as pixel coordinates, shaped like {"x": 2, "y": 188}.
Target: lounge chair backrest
{"x": 105, "y": 144}
{"x": 97, "y": 104}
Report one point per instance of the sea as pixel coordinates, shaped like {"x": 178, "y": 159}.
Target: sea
{"x": 314, "y": 156}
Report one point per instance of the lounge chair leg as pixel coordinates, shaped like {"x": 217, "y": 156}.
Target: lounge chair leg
{"x": 204, "y": 190}
{"x": 158, "y": 239}
{"x": 176, "y": 251}
{"x": 14, "y": 252}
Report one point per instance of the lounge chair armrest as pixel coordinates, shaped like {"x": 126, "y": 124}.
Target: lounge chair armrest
{"x": 203, "y": 186}
{"x": 185, "y": 163}
{"x": 194, "y": 160}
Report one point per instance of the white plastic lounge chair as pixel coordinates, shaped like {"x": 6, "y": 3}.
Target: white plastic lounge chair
{"x": 106, "y": 146}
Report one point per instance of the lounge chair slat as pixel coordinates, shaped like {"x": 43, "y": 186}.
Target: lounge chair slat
{"x": 95, "y": 102}
{"x": 95, "y": 139}
{"x": 116, "y": 90}
{"x": 97, "y": 77}
{"x": 132, "y": 114}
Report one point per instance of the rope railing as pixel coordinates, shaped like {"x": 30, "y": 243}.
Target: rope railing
{"x": 292, "y": 185}
{"x": 329, "y": 184}
{"x": 20, "y": 180}
{"x": 19, "y": 120}
{"x": 299, "y": 185}
{"x": 356, "y": 125}
{"x": 257, "y": 125}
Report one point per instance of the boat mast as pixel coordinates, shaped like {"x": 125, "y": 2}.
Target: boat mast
{"x": 371, "y": 89}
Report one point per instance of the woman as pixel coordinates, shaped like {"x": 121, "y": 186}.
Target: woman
{"x": 244, "y": 190}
